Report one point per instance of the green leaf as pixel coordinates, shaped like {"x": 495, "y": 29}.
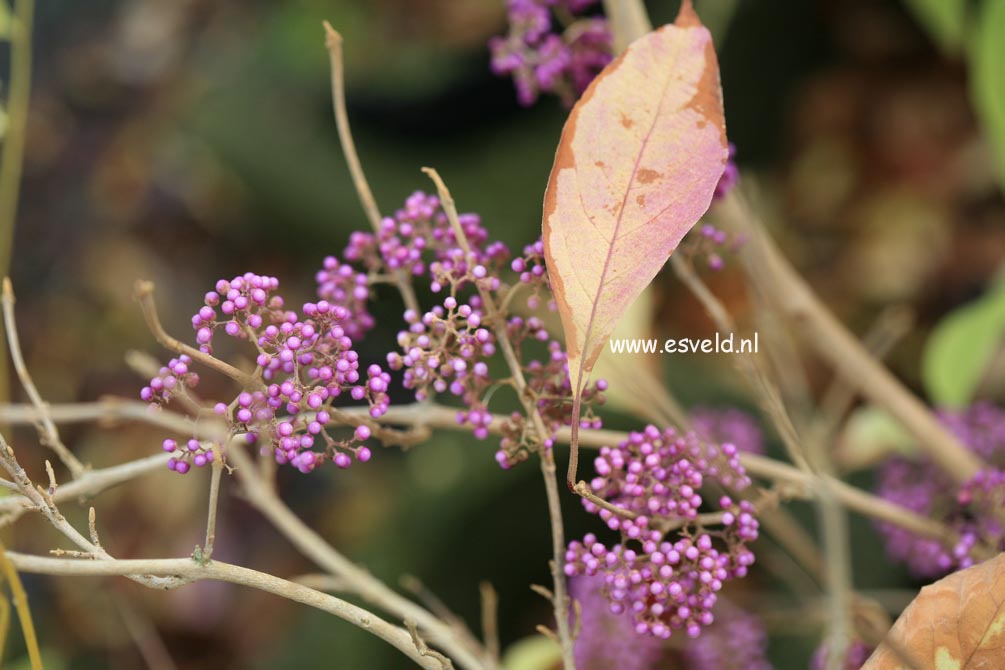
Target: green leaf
{"x": 944, "y": 20}
{"x": 961, "y": 346}
{"x": 870, "y": 436}
{"x": 987, "y": 77}
{"x": 532, "y": 653}
{"x": 6, "y": 21}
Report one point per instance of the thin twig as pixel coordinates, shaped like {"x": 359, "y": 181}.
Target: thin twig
{"x": 44, "y": 503}
{"x": 150, "y": 645}
{"x": 490, "y": 622}
{"x": 144, "y": 294}
{"x": 94, "y": 481}
{"x": 14, "y": 138}
{"x": 442, "y": 417}
{"x": 214, "y": 497}
{"x": 48, "y": 432}
{"x": 838, "y": 398}
{"x": 560, "y": 600}
{"x": 23, "y": 611}
{"x": 423, "y": 648}
{"x": 333, "y": 41}
{"x": 92, "y": 526}
{"x": 433, "y": 603}
{"x": 261, "y": 496}
{"x": 772, "y": 273}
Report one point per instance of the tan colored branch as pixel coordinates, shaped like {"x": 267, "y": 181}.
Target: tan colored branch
{"x": 187, "y": 570}
{"x": 48, "y": 432}
{"x": 333, "y": 42}
{"x": 773, "y": 275}
{"x": 439, "y": 416}
{"x": 560, "y": 598}
{"x": 361, "y": 582}
{"x": 144, "y": 294}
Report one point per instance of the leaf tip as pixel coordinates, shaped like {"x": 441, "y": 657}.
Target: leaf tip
{"x": 687, "y": 17}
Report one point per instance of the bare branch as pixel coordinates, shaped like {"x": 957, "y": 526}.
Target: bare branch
{"x": 333, "y": 41}
{"x": 313, "y": 546}
{"x": 769, "y": 270}
{"x": 144, "y": 293}
{"x": 47, "y": 431}
{"x": 560, "y": 600}
{"x": 490, "y": 621}
{"x": 187, "y": 570}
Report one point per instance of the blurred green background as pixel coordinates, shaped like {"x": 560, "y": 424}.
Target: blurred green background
{"x": 188, "y": 140}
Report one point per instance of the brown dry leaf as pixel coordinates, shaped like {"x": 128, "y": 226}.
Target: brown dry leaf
{"x": 957, "y": 623}
{"x": 639, "y": 159}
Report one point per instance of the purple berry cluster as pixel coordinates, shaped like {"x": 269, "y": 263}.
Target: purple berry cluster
{"x": 171, "y": 380}
{"x": 858, "y": 653}
{"x": 736, "y": 641}
{"x": 341, "y": 284}
{"x": 709, "y": 244}
{"x": 551, "y": 47}
{"x": 305, "y": 360}
{"x": 664, "y": 584}
{"x": 444, "y": 350}
{"x": 447, "y": 349}
{"x": 606, "y": 640}
{"x": 730, "y": 176}
{"x": 419, "y": 240}
{"x": 973, "y": 510}
{"x": 534, "y": 275}
{"x": 304, "y": 363}
{"x": 548, "y": 380}
{"x": 727, "y": 424}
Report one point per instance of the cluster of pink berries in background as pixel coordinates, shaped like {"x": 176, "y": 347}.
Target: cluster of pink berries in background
{"x": 545, "y": 56}
{"x": 736, "y": 640}
{"x": 534, "y": 276}
{"x": 654, "y": 477}
{"x": 728, "y": 424}
{"x": 972, "y": 510}
{"x": 856, "y": 656}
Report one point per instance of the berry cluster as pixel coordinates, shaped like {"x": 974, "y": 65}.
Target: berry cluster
{"x": 654, "y": 478}
{"x": 447, "y": 349}
{"x": 194, "y": 451}
{"x": 857, "y": 654}
{"x": 721, "y": 425}
{"x": 972, "y": 510}
{"x": 606, "y": 640}
{"x": 534, "y": 274}
{"x": 340, "y": 284}
{"x": 736, "y": 641}
{"x": 730, "y": 176}
{"x": 709, "y": 244}
{"x": 419, "y": 240}
{"x": 540, "y": 59}
{"x": 548, "y": 380}
{"x": 171, "y": 380}
{"x": 304, "y": 363}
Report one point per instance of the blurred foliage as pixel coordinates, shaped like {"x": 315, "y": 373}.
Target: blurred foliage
{"x": 189, "y": 140}
{"x": 989, "y": 77}
{"x": 961, "y": 347}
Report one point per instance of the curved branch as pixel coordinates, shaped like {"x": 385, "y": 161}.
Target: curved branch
{"x": 189, "y": 570}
